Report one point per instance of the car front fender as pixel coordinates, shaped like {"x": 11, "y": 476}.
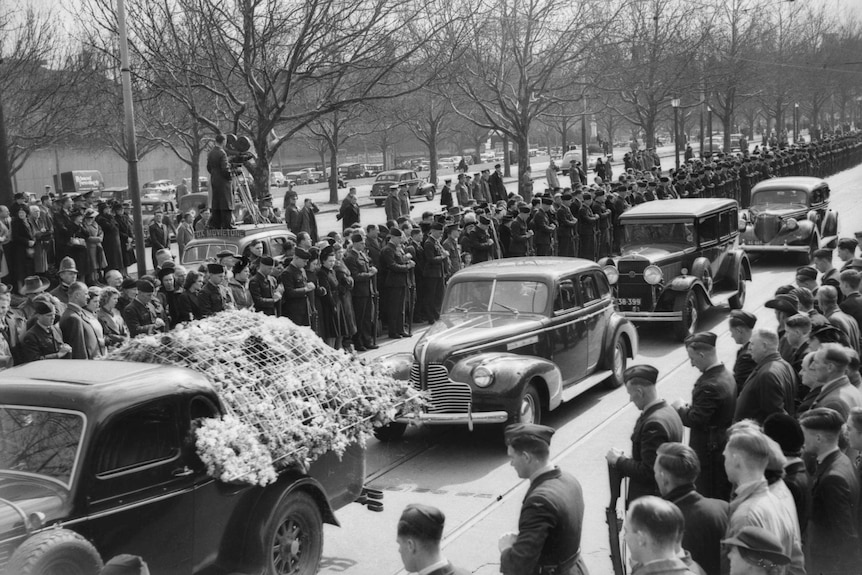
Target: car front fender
{"x": 512, "y": 372}
{"x": 681, "y": 285}
{"x": 619, "y": 326}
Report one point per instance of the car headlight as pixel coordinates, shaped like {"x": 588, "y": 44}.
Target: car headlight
{"x": 791, "y": 224}
{"x": 812, "y": 216}
{"x": 653, "y": 275}
{"x": 612, "y": 274}
{"x": 482, "y": 376}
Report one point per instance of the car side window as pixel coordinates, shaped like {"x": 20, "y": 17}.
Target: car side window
{"x": 277, "y": 246}
{"x": 708, "y": 229}
{"x": 589, "y": 289}
{"x": 603, "y": 285}
{"x": 728, "y": 223}
{"x": 566, "y": 297}
{"x": 141, "y": 436}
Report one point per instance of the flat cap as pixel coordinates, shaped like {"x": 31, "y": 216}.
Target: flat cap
{"x": 144, "y": 286}
{"x": 42, "y": 308}
{"x": 822, "y": 419}
{"x": 742, "y": 317}
{"x": 395, "y": 232}
{"x": 808, "y": 272}
{"x": 828, "y": 333}
{"x": 588, "y": 196}
{"x": 761, "y": 546}
{"x": 533, "y": 431}
{"x": 704, "y": 338}
{"x": 785, "y": 302}
{"x": 422, "y": 521}
{"x": 436, "y": 226}
{"x": 215, "y": 269}
{"x": 641, "y": 375}
{"x": 302, "y": 254}
{"x": 226, "y": 254}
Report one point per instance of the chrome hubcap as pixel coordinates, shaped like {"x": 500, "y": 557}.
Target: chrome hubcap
{"x": 528, "y": 410}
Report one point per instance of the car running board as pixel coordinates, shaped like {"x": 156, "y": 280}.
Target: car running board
{"x": 575, "y": 389}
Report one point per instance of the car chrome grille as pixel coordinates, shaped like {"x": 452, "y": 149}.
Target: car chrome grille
{"x": 446, "y": 396}
{"x": 5, "y": 553}
{"x": 631, "y": 270}
{"x": 766, "y": 227}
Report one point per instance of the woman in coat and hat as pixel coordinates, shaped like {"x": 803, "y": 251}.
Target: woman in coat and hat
{"x": 76, "y": 247}
{"x": 329, "y": 299}
{"x": 111, "y": 243}
{"x": 96, "y": 261}
{"x": 23, "y": 246}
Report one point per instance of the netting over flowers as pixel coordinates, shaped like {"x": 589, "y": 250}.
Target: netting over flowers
{"x": 302, "y": 397}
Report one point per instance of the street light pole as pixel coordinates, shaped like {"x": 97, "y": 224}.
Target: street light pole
{"x": 131, "y": 145}
{"x": 709, "y": 127}
{"x": 675, "y": 104}
{"x": 584, "y": 135}
{"x": 796, "y": 123}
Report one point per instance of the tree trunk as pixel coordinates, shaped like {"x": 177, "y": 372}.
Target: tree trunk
{"x": 523, "y": 161}
{"x": 260, "y": 176}
{"x": 6, "y": 191}
{"x": 432, "y": 154}
{"x": 507, "y": 166}
{"x": 565, "y": 134}
{"x": 333, "y": 175}
{"x": 196, "y": 168}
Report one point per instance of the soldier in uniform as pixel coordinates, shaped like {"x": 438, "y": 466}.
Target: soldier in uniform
{"x": 603, "y": 248}
{"x": 657, "y": 424}
{"x": 139, "y": 315}
{"x": 446, "y": 194}
{"x": 434, "y": 273}
{"x": 587, "y": 221}
{"x": 210, "y": 298}
{"x": 262, "y": 287}
{"x": 420, "y": 530}
{"x": 478, "y": 242}
{"x": 520, "y": 234}
{"x": 741, "y": 324}
{"x": 397, "y": 265}
{"x": 43, "y": 340}
{"x": 296, "y": 287}
{"x": 709, "y": 414}
{"x": 543, "y": 228}
{"x": 567, "y": 228}
{"x": 548, "y": 540}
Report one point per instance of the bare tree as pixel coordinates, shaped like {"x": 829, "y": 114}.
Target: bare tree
{"x": 516, "y": 58}
{"x": 428, "y": 116}
{"x": 334, "y": 130}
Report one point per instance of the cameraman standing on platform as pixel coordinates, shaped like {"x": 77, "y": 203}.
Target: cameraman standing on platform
{"x": 221, "y": 195}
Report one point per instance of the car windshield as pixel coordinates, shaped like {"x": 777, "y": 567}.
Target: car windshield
{"x": 508, "y": 296}
{"x": 675, "y": 236}
{"x": 41, "y": 442}
{"x": 780, "y": 198}
{"x": 388, "y": 177}
{"x": 203, "y": 252}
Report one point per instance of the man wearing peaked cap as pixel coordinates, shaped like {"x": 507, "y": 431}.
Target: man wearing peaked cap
{"x": 420, "y": 529}
{"x": 741, "y": 324}
{"x": 806, "y": 276}
{"x": 479, "y": 242}
{"x": 657, "y": 424}
{"x": 755, "y": 550}
{"x": 710, "y": 413}
{"x": 544, "y": 228}
{"x": 832, "y": 540}
{"x": 552, "y": 513}
{"x": 211, "y": 299}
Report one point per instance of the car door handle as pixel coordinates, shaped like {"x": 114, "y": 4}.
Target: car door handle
{"x": 182, "y": 472}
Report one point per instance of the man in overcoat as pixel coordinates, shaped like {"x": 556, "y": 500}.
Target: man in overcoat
{"x": 397, "y": 266}
{"x": 552, "y": 514}
{"x": 77, "y": 331}
{"x": 363, "y": 272}
{"x": 742, "y": 324}
{"x": 772, "y": 385}
{"x": 832, "y": 540}
{"x": 544, "y": 228}
{"x": 520, "y": 234}
{"x": 710, "y": 413}
{"x": 657, "y": 424}
{"x": 296, "y": 301}
{"x": 434, "y": 273}
{"x": 210, "y": 297}
{"x": 221, "y": 194}
{"x": 262, "y": 287}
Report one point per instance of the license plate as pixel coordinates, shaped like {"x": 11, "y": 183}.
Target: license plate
{"x": 629, "y": 301}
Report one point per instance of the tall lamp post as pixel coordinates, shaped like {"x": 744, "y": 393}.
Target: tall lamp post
{"x": 709, "y": 127}
{"x": 796, "y": 123}
{"x": 675, "y": 105}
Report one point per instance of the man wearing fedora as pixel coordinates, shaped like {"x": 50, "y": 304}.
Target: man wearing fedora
{"x": 548, "y": 541}
{"x": 658, "y": 423}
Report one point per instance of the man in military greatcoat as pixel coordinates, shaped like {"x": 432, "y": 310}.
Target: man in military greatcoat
{"x": 210, "y": 298}
{"x": 587, "y": 228}
{"x": 567, "y": 227}
{"x": 520, "y": 234}
{"x": 544, "y": 229}
{"x": 295, "y": 301}
{"x": 221, "y": 194}
{"x": 657, "y": 424}
{"x": 552, "y": 514}
{"x": 709, "y": 414}
{"x": 262, "y": 287}
{"x": 397, "y": 265}
{"x": 363, "y": 272}
{"x": 434, "y": 273}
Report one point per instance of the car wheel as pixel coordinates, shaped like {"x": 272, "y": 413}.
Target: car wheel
{"x": 617, "y": 364}
{"x": 688, "y": 323}
{"x": 530, "y": 406}
{"x": 737, "y": 300}
{"x": 429, "y": 195}
{"x": 390, "y": 432}
{"x": 294, "y": 537}
{"x": 378, "y": 203}
{"x": 55, "y": 552}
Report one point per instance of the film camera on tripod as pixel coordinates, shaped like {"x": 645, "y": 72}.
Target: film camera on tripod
{"x": 239, "y": 153}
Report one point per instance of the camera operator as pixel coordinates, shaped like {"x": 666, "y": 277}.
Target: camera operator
{"x": 221, "y": 194}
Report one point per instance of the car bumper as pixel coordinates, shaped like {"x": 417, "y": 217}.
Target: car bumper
{"x": 773, "y": 248}
{"x": 470, "y": 418}
{"x": 651, "y": 316}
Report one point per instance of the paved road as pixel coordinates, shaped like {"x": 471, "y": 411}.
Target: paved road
{"x": 467, "y": 474}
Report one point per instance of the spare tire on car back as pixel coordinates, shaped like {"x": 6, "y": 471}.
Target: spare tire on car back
{"x": 55, "y": 552}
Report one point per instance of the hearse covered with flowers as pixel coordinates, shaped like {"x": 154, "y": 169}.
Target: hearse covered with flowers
{"x": 99, "y": 458}
{"x": 789, "y": 215}
{"x": 517, "y": 337}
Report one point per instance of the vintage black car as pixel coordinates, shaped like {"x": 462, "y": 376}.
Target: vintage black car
{"x": 208, "y": 243}
{"x": 516, "y": 338}
{"x": 789, "y": 215}
{"x": 678, "y": 258}
{"x": 416, "y": 186}
{"x": 98, "y": 459}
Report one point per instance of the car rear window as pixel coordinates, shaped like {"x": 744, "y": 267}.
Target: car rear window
{"x": 202, "y": 252}
{"x": 387, "y": 178}
{"x": 780, "y": 197}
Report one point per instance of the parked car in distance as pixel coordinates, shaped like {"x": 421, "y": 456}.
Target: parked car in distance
{"x": 789, "y": 215}
{"x": 159, "y": 189}
{"x": 203, "y": 184}
{"x": 115, "y": 194}
{"x": 565, "y": 163}
{"x": 99, "y": 460}
{"x": 298, "y": 177}
{"x": 277, "y": 179}
{"x": 734, "y": 142}
{"x": 314, "y": 176}
{"x": 517, "y": 338}
{"x": 678, "y": 257}
{"x": 374, "y": 169}
{"x": 416, "y": 186}
{"x": 207, "y": 243}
